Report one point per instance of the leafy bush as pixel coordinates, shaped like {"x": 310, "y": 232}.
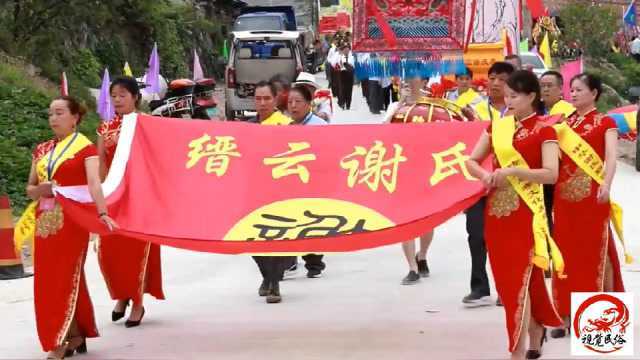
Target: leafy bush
{"x": 23, "y": 124}
{"x": 591, "y": 27}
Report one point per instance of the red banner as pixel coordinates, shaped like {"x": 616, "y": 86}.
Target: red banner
{"x": 226, "y": 187}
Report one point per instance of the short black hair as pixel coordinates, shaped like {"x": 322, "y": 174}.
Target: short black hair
{"x": 267, "y": 84}
{"x": 128, "y": 83}
{"x": 280, "y": 79}
{"x": 593, "y": 82}
{"x": 501, "y": 67}
{"x": 555, "y": 74}
{"x": 526, "y": 82}
{"x": 300, "y": 89}
{"x": 466, "y": 72}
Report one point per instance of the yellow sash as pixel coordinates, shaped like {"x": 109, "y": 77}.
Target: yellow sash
{"x": 486, "y": 112}
{"x": 588, "y": 160}
{"x": 562, "y": 108}
{"x": 531, "y": 194}
{"x": 26, "y": 227}
{"x": 469, "y": 97}
{"x": 277, "y": 118}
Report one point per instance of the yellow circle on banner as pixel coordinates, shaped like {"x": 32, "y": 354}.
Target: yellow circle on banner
{"x": 306, "y": 218}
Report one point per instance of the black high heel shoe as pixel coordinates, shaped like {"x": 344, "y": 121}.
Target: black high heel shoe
{"x": 117, "y": 315}
{"x": 559, "y": 333}
{"x": 536, "y": 354}
{"x": 80, "y": 349}
{"x": 134, "y": 323}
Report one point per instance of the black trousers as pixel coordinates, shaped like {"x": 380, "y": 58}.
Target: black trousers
{"x": 478, "y": 249}
{"x": 314, "y": 262}
{"x": 376, "y": 100}
{"x": 335, "y": 82}
{"x": 345, "y": 88}
{"x": 364, "y": 84}
{"x": 387, "y": 97}
{"x": 272, "y": 267}
{"x": 327, "y": 72}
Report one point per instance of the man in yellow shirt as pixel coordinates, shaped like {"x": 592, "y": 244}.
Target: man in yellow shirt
{"x": 551, "y": 91}
{"x": 491, "y": 109}
{"x": 265, "y": 99}
{"x": 464, "y": 94}
{"x": 494, "y": 107}
{"x": 271, "y": 267}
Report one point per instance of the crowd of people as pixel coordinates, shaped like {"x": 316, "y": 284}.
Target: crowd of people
{"x": 577, "y": 211}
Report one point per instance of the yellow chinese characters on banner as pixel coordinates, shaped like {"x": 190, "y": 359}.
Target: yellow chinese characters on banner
{"x": 370, "y": 167}
{"x": 373, "y": 166}
{"x": 450, "y": 162}
{"x": 218, "y": 153}
{"x": 288, "y": 163}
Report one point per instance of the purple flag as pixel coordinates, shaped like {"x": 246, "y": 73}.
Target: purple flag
{"x": 105, "y": 106}
{"x": 197, "y": 68}
{"x": 152, "y": 77}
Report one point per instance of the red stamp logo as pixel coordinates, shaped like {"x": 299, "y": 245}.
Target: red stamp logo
{"x": 601, "y": 324}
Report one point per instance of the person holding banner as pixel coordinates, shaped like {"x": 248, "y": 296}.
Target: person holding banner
{"x": 494, "y": 108}
{"x": 272, "y": 268}
{"x": 300, "y": 109}
{"x": 417, "y": 261}
{"x": 525, "y": 157}
{"x": 64, "y": 313}
{"x": 582, "y": 208}
{"x": 130, "y": 267}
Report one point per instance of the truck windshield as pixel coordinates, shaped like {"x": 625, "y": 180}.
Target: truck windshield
{"x": 260, "y": 49}
{"x": 249, "y": 23}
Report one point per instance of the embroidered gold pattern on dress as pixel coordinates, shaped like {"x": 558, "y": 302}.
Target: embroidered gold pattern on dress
{"x": 577, "y": 187}
{"x": 522, "y": 301}
{"x": 142, "y": 278}
{"x": 110, "y": 137}
{"x": 603, "y": 257}
{"x": 50, "y": 221}
{"x": 503, "y": 201}
{"x": 72, "y": 302}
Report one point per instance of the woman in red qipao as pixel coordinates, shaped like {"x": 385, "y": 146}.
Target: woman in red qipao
{"x": 582, "y": 207}
{"x": 508, "y": 218}
{"x": 130, "y": 267}
{"x": 64, "y": 313}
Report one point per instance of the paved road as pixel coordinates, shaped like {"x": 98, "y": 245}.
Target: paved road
{"x": 357, "y": 311}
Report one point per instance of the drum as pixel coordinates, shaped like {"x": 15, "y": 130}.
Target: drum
{"x": 429, "y": 110}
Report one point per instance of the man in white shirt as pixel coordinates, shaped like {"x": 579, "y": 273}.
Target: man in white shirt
{"x": 343, "y": 62}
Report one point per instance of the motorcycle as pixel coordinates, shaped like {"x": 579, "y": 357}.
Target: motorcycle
{"x": 188, "y": 99}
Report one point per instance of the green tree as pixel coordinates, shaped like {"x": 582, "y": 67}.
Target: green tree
{"x": 591, "y": 27}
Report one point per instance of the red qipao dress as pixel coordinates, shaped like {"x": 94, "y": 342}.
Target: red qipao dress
{"x": 510, "y": 241}
{"x": 130, "y": 267}
{"x": 59, "y": 288}
{"x": 581, "y": 224}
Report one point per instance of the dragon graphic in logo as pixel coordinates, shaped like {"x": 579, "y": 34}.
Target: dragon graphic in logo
{"x": 601, "y": 322}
